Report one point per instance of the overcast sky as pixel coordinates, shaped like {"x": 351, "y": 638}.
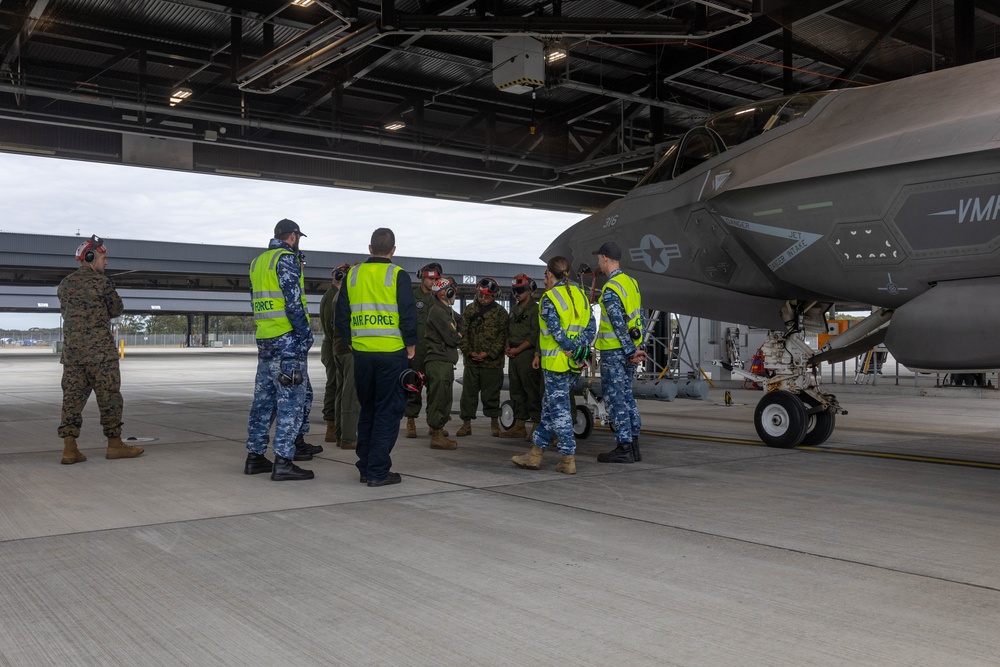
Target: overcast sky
{"x": 43, "y": 195}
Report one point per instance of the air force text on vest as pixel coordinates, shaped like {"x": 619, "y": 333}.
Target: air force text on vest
{"x": 262, "y": 305}
{"x": 373, "y": 320}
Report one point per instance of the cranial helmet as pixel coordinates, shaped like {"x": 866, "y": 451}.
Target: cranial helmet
{"x": 340, "y": 272}
{"x": 522, "y": 282}
{"x": 444, "y": 286}
{"x": 432, "y": 271}
{"x": 85, "y": 252}
{"x": 488, "y": 286}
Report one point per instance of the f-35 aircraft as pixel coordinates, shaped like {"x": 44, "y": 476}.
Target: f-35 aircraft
{"x": 772, "y": 212}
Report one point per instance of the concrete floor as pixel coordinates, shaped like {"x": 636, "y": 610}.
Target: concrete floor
{"x": 710, "y": 552}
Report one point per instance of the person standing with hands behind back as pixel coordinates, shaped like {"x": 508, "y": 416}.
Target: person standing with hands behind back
{"x": 88, "y": 302}
{"x": 376, "y": 316}
{"x": 525, "y": 377}
{"x": 567, "y": 330}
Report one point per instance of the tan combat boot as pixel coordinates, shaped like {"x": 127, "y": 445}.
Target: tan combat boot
{"x": 495, "y": 427}
{"x": 567, "y": 465}
{"x": 70, "y": 453}
{"x": 530, "y": 437}
{"x": 439, "y": 441}
{"x": 411, "y": 427}
{"x": 466, "y": 428}
{"x": 430, "y": 431}
{"x": 532, "y": 460}
{"x": 348, "y": 444}
{"x": 516, "y": 431}
{"x": 119, "y": 450}
{"x": 331, "y": 432}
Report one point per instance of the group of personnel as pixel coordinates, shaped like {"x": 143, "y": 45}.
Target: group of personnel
{"x": 384, "y": 339}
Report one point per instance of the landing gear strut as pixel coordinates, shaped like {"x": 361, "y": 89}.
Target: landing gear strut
{"x": 794, "y": 410}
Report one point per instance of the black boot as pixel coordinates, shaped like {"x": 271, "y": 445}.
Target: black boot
{"x": 620, "y": 454}
{"x": 303, "y": 447}
{"x": 284, "y": 471}
{"x": 256, "y": 463}
{"x": 635, "y": 449}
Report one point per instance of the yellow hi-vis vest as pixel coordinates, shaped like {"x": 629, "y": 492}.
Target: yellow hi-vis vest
{"x": 628, "y": 291}
{"x": 371, "y": 289}
{"x": 574, "y": 316}
{"x": 268, "y": 299}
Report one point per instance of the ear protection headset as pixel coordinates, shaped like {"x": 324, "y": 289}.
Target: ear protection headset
{"x": 432, "y": 271}
{"x": 86, "y": 251}
{"x": 522, "y": 282}
{"x": 488, "y": 286}
{"x": 292, "y": 379}
{"x": 412, "y": 381}
{"x": 340, "y": 272}
{"x": 444, "y": 286}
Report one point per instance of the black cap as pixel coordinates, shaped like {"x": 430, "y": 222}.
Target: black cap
{"x": 285, "y": 226}
{"x": 610, "y": 250}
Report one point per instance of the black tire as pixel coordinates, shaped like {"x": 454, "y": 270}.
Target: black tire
{"x": 819, "y": 428}
{"x": 781, "y": 420}
{"x": 507, "y": 415}
{"x": 583, "y": 422}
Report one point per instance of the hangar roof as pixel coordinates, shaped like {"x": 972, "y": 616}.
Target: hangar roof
{"x": 307, "y": 93}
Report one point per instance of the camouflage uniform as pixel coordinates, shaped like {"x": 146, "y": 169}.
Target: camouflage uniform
{"x": 326, "y": 353}
{"x": 557, "y": 413}
{"x": 525, "y": 381}
{"x": 617, "y": 373}
{"x": 88, "y": 302}
{"x": 273, "y": 401}
{"x": 347, "y": 405}
{"x": 486, "y": 331}
{"x": 424, "y": 301}
{"x": 443, "y": 329}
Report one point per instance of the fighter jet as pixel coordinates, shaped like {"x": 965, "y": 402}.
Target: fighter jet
{"x": 772, "y": 212}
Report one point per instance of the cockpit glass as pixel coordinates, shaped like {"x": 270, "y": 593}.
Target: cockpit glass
{"x": 732, "y": 127}
{"x": 744, "y": 123}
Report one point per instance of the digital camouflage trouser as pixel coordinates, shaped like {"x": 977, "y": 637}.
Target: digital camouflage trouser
{"x": 105, "y": 380}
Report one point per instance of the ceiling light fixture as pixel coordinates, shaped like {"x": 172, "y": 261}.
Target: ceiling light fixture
{"x": 394, "y": 125}
{"x": 179, "y": 95}
{"x": 302, "y": 3}
{"x": 554, "y": 54}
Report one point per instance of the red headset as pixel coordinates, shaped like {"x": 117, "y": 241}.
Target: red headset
{"x": 445, "y": 286}
{"x": 85, "y": 252}
{"x": 522, "y": 282}
{"x": 432, "y": 271}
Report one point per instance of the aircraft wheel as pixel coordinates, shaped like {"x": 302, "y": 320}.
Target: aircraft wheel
{"x": 583, "y": 422}
{"x": 819, "y": 428}
{"x": 781, "y": 419}
{"x": 507, "y": 415}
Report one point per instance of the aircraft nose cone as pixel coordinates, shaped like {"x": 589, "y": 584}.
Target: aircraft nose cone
{"x": 561, "y": 246}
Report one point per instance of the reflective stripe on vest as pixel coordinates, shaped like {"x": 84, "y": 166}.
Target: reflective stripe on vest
{"x": 628, "y": 292}
{"x": 574, "y": 315}
{"x": 371, "y": 289}
{"x": 268, "y": 300}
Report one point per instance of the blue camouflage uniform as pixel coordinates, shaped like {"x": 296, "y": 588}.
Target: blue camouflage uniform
{"x": 557, "y": 415}
{"x": 617, "y": 372}
{"x": 273, "y": 401}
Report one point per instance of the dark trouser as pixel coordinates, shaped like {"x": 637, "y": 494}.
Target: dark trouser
{"x": 480, "y": 381}
{"x": 413, "y": 397}
{"x": 376, "y": 377}
{"x": 440, "y": 378}
{"x": 105, "y": 380}
{"x": 330, "y": 392}
{"x": 525, "y": 387}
